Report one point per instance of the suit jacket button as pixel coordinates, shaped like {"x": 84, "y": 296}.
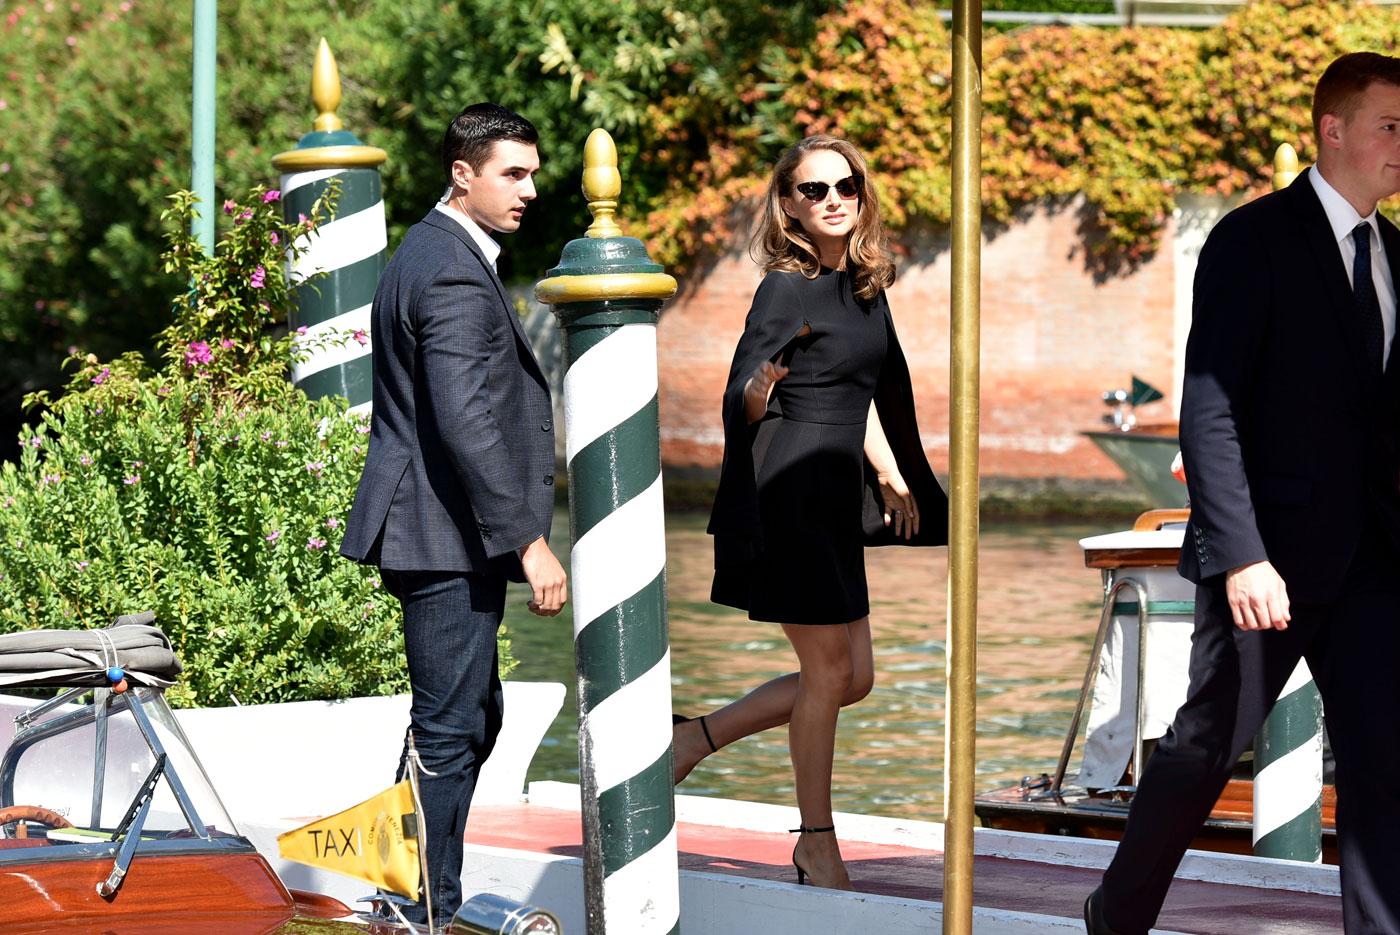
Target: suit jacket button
{"x": 546, "y": 425}
{"x": 549, "y": 480}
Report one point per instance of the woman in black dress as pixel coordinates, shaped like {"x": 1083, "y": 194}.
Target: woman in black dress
{"x": 822, "y": 457}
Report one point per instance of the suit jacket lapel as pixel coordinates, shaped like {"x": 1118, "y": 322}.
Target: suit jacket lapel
{"x": 438, "y": 220}
{"x": 1317, "y": 231}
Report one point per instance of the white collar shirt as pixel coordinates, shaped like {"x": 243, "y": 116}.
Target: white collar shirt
{"x": 489, "y": 248}
{"x": 1344, "y": 219}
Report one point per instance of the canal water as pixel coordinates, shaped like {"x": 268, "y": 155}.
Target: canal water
{"x": 1038, "y": 607}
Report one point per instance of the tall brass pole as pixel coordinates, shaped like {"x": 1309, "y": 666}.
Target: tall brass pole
{"x": 960, "y": 754}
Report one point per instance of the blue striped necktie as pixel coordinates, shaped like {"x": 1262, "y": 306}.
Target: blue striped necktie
{"x": 1368, "y": 306}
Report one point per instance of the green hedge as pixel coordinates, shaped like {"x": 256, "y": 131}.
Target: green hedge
{"x": 208, "y": 490}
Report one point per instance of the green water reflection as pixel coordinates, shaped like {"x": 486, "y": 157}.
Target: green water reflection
{"x": 1038, "y": 609}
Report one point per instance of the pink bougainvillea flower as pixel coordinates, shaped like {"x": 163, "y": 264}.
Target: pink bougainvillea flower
{"x": 82, "y": 566}
{"x": 85, "y": 460}
{"x": 332, "y": 523}
{"x": 197, "y": 352}
{"x": 226, "y": 343}
{"x": 315, "y": 467}
{"x": 315, "y": 544}
{"x": 274, "y": 238}
{"x": 258, "y": 279}
{"x": 35, "y": 442}
{"x": 163, "y": 391}
{"x": 302, "y": 329}
{"x": 271, "y": 196}
{"x": 101, "y": 378}
{"x": 274, "y": 535}
{"x": 230, "y": 206}
{"x": 131, "y": 480}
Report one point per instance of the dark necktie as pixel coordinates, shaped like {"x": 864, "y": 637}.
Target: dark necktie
{"x": 1368, "y": 306}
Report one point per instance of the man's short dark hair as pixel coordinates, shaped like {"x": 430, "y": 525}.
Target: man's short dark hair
{"x": 473, "y": 134}
{"x": 1341, "y": 86}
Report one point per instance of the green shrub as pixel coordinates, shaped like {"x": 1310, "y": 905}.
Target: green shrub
{"x": 207, "y": 489}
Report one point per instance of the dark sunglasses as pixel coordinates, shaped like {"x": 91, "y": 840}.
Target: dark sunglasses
{"x": 849, "y": 187}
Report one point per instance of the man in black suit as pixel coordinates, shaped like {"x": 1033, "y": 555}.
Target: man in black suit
{"x": 1288, "y": 431}
{"x": 457, "y": 493}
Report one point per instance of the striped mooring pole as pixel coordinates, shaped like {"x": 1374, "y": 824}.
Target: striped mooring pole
{"x": 334, "y": 351}
{"x": 1288, "y": 748}
{"x": 606, "y": 293}
{"x": 1288, "y": 774}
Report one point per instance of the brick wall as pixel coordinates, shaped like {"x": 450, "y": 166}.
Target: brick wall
{"x": 1053, "y": 339}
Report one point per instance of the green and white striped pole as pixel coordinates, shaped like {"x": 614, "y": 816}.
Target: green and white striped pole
{"x": 334, "y": 350}
{"x": 606, "y": 293}
{"x": 1288, "y": 748}
{"x": 1288, "y": 774}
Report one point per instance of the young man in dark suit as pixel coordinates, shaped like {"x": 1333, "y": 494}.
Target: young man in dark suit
{"x": 457, "y": 493}
{"x": 1288, "y": 431}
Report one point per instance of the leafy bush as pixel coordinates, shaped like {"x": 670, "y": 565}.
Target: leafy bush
{"x": 700, "y": 95}
{"x": 207, "y": 489}
{"x": 1127, "y": 118}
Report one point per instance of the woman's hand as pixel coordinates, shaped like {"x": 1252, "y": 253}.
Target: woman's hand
{"x": 900, "y": 509}
{"x": 758, "y": 388}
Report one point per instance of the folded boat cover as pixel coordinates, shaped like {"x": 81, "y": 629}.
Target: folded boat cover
{"x": 72, "y": 658}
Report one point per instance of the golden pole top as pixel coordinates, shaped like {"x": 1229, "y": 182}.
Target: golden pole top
{"x": 603, "y": 265}
{"x": 329, "y": 145}
{"x": 1285, "y": 166}
{"x": 325, "y": 88}
{"x": 602, "y": 183}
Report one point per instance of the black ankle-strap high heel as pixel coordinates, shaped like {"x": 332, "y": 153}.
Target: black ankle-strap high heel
{"x": 681, "y": 719}
{"x": 803, "y": 829}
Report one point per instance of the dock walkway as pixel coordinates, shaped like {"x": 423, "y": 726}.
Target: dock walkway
{"x": 904, "y": 860}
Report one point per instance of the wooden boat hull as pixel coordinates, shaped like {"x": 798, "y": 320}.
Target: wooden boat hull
{"x": 1077, "y": 814}
{"x": 234, "y": 894}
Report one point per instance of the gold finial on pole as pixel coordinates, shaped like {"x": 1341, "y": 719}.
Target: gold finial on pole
{"x": 1285, "y": 166}
{"x": 325, "y": 89}
{"x": 602, "y": 183}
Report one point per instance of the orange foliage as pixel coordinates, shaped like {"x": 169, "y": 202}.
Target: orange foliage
{"x": 1125, "y": 118}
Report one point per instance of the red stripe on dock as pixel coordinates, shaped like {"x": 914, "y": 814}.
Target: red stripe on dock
{"x": 892, "y": 870}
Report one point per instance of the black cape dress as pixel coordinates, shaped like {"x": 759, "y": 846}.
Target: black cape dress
{"x": 797, "y": 499}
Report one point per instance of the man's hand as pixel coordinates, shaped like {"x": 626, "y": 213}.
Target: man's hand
{"x": 1258, "y": 597}
{"x": 546, "y": 577}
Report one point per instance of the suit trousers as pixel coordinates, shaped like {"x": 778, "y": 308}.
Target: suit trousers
{"x": 450, "y": 625}
{"x": 1352, "y": 646}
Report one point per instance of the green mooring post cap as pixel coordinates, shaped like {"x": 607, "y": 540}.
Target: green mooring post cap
{"x": 329, "y": 145}
{"x": 603, "y": 265}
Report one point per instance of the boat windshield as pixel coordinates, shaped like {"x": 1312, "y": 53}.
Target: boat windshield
{"x": 69, "y": 776}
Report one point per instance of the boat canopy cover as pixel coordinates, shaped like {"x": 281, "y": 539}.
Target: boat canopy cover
{"x": 73, "y": 658}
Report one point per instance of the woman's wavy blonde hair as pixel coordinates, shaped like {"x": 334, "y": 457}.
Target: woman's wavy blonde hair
{"x": 780, "y": 243}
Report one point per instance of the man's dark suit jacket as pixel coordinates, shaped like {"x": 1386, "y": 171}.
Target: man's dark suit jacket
{"x": 460, "y": 470}
{"x": 1288, "y": 441}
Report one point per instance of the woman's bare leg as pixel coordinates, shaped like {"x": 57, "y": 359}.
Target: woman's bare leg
{"x": 823, "y": 682}
{"x": 770, "y": 704}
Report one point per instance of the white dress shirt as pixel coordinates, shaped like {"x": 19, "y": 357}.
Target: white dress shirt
{"x": 490, "y": 249}
{"x": 1343, "y": 218}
